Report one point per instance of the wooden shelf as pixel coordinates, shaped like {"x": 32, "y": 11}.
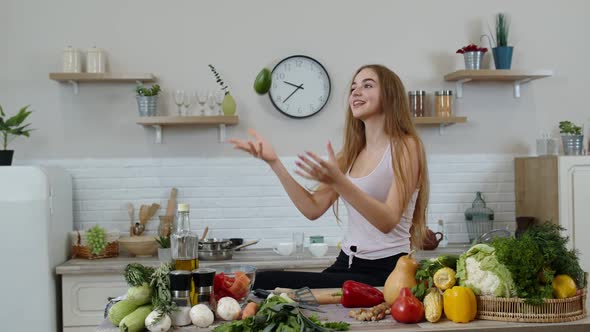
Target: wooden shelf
{"x": 188, "y": 120}
{"x": 426, "y": 120}
{"x": 516, "y": 77}
{"x": 442, "y": 122}
{"x": 157, "y": 122}
{"x": 75, "y": 78}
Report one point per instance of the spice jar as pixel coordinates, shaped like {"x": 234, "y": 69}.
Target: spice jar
{"x": 417, "y": 102}
{"x": 443, "y": 103}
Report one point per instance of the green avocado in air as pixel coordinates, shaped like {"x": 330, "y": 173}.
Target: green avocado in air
{"x": 262, "y": 81}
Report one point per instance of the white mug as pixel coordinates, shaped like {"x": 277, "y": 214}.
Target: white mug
{"x": 318, "y": 249}
{"x": 284, "y": 248}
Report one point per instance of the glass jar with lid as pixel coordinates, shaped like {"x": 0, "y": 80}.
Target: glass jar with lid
{"x": 443, "y": 103}
{"x": 417, "y": 102}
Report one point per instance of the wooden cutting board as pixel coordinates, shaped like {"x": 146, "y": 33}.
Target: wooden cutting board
{"x": 322, "y": 295}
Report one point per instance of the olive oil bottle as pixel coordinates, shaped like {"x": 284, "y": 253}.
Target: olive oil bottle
{"x": 185, "y": 244}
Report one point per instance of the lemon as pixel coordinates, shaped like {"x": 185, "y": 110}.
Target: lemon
{"x": 563, "y": 286}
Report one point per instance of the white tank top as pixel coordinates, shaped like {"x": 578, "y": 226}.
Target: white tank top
{"x": 370, "y": 242}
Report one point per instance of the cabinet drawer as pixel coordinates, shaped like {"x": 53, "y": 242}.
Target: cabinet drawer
{"x": 85, "y": 297}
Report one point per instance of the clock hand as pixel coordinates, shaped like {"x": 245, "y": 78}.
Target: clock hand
{"x": 297, "y": 86}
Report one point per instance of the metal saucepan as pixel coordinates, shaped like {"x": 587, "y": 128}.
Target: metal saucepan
{"x": 219, "y": 249}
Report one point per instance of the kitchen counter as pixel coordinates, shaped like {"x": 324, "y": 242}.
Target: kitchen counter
{"x": 263, "y": 259}
{"x": 389, "y": 324}
{"x": 87, "y": 285}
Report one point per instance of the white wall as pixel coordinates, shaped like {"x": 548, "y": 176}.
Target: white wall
{"x": 95, "y": 136}
{"x": 177, "y": 39}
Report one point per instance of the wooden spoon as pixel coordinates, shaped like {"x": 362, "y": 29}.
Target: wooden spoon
{"x": 171, "y": 202}
{"x": 204, "y": 233}
{"x": 131, "y": 211}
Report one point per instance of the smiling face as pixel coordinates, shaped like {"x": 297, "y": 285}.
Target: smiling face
{"x": 365, "y": 94}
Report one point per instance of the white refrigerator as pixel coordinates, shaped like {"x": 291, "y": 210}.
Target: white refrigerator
{"x": 36, "y": 216}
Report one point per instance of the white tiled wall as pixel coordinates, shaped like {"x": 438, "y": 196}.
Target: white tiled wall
{"x": 241, "y": 197}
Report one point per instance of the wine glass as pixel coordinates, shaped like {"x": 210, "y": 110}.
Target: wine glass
{"x": 219, "y": 95}
{"x": 201, "y": 96}
{"x": 211, "y": 103}
{"x": 188, "y": 100}
{"x": 179, "y": 100}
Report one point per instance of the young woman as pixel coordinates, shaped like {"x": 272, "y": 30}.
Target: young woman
{"x": 380, "y": 174}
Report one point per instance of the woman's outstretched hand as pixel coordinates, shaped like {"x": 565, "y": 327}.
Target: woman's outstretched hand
{"x": 258, "y": 147}
{"x": 313, "y": 167}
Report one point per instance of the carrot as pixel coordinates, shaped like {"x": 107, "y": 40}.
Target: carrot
{"x": 241, "y": 285}
{"x": 249, "y": 310}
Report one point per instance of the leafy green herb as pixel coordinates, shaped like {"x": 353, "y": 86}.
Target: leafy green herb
{"x": 524, "y": 259}
{"x": 425, "y": 273}
{"x": 276, "y": 314}
{"x": 555, "y": 253}
{"x": 162, "y": 298}
{"x": 137, "y": 274}
{"x": 535, "y": 258}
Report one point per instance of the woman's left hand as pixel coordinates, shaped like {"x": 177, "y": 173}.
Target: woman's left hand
{"x": 313, "y": 167}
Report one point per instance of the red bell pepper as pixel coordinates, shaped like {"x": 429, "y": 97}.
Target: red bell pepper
{"x": 356, "y": 295}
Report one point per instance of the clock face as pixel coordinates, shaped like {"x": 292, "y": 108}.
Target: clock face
{"x": 300, "y": 86}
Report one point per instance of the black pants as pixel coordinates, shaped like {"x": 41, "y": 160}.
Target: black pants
{"x": 372, "y": 272}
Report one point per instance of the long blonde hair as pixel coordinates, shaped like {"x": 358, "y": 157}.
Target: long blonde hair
{"x": 399, "y": 127}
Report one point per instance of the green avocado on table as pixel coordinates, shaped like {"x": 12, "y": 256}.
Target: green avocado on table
{"x": 262, "y": 81}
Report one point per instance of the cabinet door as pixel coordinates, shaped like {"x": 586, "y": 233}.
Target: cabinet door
{"x": 581, "y": 213}
{"x": 85, "y": 297}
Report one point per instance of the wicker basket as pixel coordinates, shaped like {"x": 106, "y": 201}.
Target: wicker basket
{"x": 515, "y": 310}
{"x": 81, "y": 250}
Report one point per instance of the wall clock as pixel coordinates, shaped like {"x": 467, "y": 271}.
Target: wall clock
{"x": 300, "y": 86}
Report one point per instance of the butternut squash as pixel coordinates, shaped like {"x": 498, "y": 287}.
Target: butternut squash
{"x": 403, "y": 275}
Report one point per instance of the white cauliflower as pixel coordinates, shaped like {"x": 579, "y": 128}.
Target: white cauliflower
{"x": 480, "y": 270}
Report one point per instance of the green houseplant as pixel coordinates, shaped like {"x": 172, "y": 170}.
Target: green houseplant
{"x": 11, "y": 128}
{"x": 502, "y": 52}
{"x": 572, "y": 138}
{"x": 164, "y": 252}
{"x": 228, "y": 104}
{"x": 147, "y": 99}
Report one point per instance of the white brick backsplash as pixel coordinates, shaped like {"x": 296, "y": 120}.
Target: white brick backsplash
{"x": 241, "y": 197}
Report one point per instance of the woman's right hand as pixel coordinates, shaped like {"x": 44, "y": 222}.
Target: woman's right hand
{"x": 258, "y": 147}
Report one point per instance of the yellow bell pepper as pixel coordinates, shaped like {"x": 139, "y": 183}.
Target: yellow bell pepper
{"x": 459, "y": 304}
{"x": 563, "y": 286}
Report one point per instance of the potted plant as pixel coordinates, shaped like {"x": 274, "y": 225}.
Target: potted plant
{"x": 473, "y": 55}
{"x": 572, "y": 138}
{"x": 147, "y": 99}
{"x": 502, "y": 52}
{"x": 228, "y": 104}
{"x": 10, "y": 127}
{"x": 164, "y": 252}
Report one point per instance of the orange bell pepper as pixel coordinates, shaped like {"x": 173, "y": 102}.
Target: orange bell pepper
{"x": 459, "y": 304}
